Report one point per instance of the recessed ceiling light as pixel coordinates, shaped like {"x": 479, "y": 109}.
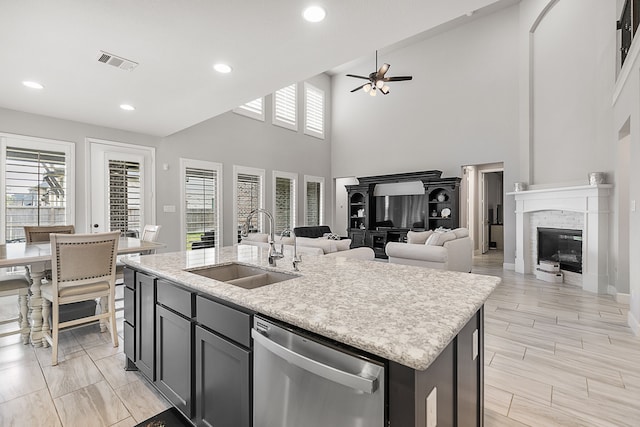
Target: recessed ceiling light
{"x": 127, "y": 107}
{"x": 314, "y": 14}
{"x": 33, "y": 85}
{"x": 222, "y": 68}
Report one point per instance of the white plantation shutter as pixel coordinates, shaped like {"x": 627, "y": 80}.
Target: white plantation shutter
{"x": 313, "y": 200}
{"x": 285, "y": 106}
{"x": 248, "y": 198}
{"x": 313, "y": 111}
{"x": 125, "y": 205}
{"x": 35, "y": 189}
{"x": 284, "y": 200}
{"x": 201, "y": 216}
{"x": 253, "y": 109}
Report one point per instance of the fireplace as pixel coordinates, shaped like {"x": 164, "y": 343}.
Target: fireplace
{"x": 584, "y": 207}
{"x": 561, "y": 245}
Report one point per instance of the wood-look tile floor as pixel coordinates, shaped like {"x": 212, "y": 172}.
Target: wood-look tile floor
{"x": 89, "y": 387}
{"x": 554, "y": 356}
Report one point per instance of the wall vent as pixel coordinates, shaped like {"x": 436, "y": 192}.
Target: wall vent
{"x": 116, "y": 61}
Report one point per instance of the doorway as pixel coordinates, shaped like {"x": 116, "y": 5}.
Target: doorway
{"x": 483, "y": 192}
{"x": 122, "y": 187}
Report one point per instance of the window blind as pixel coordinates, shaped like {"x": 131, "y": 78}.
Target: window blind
{"x": 125, "y": 202}
{"x": 284, "y": 107}
{"x": 314, "y": 111}
{"x": 35, "y": 190}
{"x": 248, "y": 191}
{"x": 314, "y": 203}
{"x": 201, "y": 208}
{"x": 253, "y": 109}
{"x": 284, "y": 204}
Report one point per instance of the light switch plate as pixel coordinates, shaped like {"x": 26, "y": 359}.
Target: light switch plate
{"x": 432, "y": 408}
{"x": 633, "y": 206}
{"x": 169, "y": 208}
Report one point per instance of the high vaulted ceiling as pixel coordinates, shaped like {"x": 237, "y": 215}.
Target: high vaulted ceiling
{"x": 176, "y": 43}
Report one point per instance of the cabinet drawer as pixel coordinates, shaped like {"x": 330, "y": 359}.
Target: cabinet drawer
{"x": 129, "y": 306}
{"x": 227, "y": 321}
{"x": 129, "y": 341}
{"x": 176, "y": 298}
{"x": 129, "y": 278}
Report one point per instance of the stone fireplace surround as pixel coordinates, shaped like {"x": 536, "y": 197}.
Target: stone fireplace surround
{"x": 583, "y": 208}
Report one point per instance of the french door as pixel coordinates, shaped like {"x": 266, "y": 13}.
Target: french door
{"x": 122, "y": 187}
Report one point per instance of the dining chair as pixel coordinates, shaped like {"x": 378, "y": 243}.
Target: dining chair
{"x": 84, "y": 268}
{"x": 149, "y": 234}
{"x": 16, "y": 283}
{"x": 37, "y": 234}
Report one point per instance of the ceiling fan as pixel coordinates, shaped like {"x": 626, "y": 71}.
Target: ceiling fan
{"x": 377, "y": 80}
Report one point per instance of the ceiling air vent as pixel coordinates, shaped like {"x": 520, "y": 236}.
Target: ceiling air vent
{"x": 116, "y": 61}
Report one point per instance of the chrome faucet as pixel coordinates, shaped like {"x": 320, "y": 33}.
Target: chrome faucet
{"x": 273, "y": 252}
{"x": 296, "y": 259}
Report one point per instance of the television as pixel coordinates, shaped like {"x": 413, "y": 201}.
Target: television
{"x": 407, "y": 211}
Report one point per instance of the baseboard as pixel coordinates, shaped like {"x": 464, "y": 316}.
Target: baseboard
{"x": 509, "y": 266}
{"x": 618, "y": 296}
{"x": 633, "y": 324}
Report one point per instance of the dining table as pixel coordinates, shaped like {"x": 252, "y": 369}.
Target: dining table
{"x": 36, "y": 256}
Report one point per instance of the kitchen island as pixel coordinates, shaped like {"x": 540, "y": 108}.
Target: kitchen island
{"x": 412, "y": 318}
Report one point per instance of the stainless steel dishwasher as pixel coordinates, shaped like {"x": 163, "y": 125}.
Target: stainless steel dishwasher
{"x": 301, "y": 382}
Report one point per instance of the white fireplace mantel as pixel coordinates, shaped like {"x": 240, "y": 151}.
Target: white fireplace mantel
{"x": 593, "y": 202}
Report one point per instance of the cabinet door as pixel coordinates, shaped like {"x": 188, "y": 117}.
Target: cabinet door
{"x": 223, "y": 397}
{"x": 174, "y": 341}
{"x": 145, "y": 324}
{"x": 469, "y": 377}
{"x": 357, "y": 239}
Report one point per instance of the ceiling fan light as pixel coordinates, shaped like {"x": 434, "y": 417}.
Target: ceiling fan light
{"x": 385, "y": 88}
{"x": 373, "y": 92}
{"x": 379, "y": 84}
{"x": 366, "y": 87}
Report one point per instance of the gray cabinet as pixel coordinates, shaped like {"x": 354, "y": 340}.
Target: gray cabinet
{"x": 174, "y": 344}
{"x": 223, "y": 365}
{"x": 145, "y": 324}
{"x": 469, "y": 360}
{"x": 223, "y": 393}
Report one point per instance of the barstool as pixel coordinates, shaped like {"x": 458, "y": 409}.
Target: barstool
{"x": 15, "y": 283}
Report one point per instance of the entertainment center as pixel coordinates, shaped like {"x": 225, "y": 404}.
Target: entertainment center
{"x": 384, "y": 208}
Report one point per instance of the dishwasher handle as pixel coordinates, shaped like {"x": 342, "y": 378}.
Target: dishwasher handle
{"x": 366, "y": 385}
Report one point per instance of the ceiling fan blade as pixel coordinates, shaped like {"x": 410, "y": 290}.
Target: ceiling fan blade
{"x": 357, "y": 77}
{"x": 397, "y": 78}
{"x": 382, "y": 71}
{"x": 359, "y": 87}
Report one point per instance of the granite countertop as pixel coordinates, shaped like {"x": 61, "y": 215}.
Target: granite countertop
{"x": 402, "y": 313}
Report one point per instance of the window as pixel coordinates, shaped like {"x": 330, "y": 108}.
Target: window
{"x": 313, "y": 200}
{"x": 248, "y": 194}
{"x": 313, "y": 111}
{"x": 284, "y": 200}
{"x": 37, "y": 184}
{"x": 201, "y": 197}
{"x": 285, "y": 107}
{"x": 253, "y": 109}
{"x": 125, "y": 205}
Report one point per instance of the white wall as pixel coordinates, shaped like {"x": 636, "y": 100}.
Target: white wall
{"x": 460, "y": 109}
{"x": 573, "y": 70}
{"x": 232, "y": 139}
{"x": 228, "y": 139}
{"x": 20, "y": 123}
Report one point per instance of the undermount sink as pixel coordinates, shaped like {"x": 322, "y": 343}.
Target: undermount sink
{"x": 243, "y": 276}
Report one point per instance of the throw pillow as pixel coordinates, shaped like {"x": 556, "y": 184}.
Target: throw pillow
{"x": 418, "y": 237}
{"x": 331, "y": 236}
{"x": 439, "y": 239}
{"x": 343, "y": 245}
{"x": 461, "y": 232}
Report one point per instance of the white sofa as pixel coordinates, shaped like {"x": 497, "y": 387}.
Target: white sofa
{"x": 448, "y": 250}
